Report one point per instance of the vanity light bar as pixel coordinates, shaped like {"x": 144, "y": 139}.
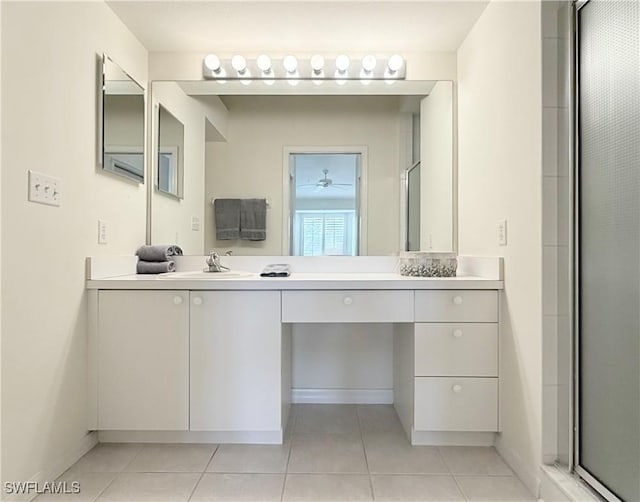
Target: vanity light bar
{"x": 317, "y": 68}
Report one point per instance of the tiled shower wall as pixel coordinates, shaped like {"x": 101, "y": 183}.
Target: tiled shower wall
{"x": 556, "y": 229}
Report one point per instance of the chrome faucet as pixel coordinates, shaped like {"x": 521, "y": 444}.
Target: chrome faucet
{"x": 213, "y": 262}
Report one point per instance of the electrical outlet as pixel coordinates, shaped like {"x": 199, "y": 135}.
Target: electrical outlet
{"x": 195, "y": 223}
{"x": 44, "y": 189}
{"x": 502, "y": 233}
{"x": 103, "y": 232}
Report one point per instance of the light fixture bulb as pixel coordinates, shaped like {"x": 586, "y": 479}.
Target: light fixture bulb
{"x": 264, "y": 63}
{"x": 342, "y": 63}
{"x": 369, "y": 64}
{"x": 395, "y": 63}
{"x": 317, "y": 64}
{"x": 290, "y": 64}
{"x": 212, "y": 62}
{"x": 239, "y": 64}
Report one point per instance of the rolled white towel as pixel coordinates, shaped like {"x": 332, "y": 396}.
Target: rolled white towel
{"x": 158, "y": 252}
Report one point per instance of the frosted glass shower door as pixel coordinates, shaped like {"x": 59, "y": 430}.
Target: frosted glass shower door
{"x": 608, "y": 419}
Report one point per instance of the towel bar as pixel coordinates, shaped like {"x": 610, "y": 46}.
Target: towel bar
{"x": 267, "y": 200}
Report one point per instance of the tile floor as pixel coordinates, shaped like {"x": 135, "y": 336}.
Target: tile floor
{"x": 331, "y": 452}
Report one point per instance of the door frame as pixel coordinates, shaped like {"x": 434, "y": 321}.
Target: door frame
{"x": 287, "y": 176}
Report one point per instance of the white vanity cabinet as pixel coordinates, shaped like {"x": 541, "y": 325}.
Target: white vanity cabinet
{"x": 236, "y": 361}
{"x": 143, "y": 360}
{"x": 178, "y": 360}
{"x": 449, "y": 358}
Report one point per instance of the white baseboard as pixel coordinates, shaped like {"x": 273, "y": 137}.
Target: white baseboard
{"x": 528, "y": 475}
{"x": 342, "y": 396}
{"x": 58, "y": 466}
{"x": 219, "y": 437}
{"x": 430, "y": 438}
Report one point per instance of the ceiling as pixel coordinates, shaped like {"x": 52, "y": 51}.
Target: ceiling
{"x": 299, "y": 26}
{"x": 341, "y": 170}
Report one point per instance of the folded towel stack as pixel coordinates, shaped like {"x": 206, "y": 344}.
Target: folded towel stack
{"x": 157, "y": 259}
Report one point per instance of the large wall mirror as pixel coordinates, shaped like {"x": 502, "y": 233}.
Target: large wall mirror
{"x": 366, "y": 170}
{"x": 122, "y": 106}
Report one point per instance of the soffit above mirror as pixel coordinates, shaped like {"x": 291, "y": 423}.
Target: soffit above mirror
{"x": 307, "y": 88}
{"x": 232, "y": 26}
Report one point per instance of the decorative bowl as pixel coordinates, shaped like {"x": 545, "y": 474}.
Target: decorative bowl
{"x": 423, "y": 264}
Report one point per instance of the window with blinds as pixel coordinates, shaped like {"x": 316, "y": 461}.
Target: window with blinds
{"x": 326, "y": 233}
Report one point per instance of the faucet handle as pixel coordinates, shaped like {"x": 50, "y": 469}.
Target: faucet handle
{"x": 213, "y": 257}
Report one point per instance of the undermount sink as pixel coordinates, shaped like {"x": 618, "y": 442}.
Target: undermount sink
{"x": 227, "y": 274}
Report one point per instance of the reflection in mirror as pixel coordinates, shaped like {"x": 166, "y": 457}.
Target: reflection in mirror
{"x": 252, "y": 146}
{"x": 170, "y": 170}
{"x": 325, "y": 210}
{"x": 122, "y": 147}
{"x": 413, "y": 207}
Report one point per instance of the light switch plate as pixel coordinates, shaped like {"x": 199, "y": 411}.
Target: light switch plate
{"x": 103, "y": 232}
{"x": 44, "y": 189}
{"x": 502, "y": 233}
{"x": 195, "y": 223}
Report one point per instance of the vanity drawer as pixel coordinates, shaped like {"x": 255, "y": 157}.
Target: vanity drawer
{"x": 347, "y": 306}
{"x": 456, "y": 349}
{"x": 456, "y": 404}
{"x": 456, "y": 305}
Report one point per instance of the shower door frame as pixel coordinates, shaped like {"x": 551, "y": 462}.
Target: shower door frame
{"x": 574, "y": 459}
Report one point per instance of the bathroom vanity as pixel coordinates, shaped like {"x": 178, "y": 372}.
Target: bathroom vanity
{"x": 179, "y": 358}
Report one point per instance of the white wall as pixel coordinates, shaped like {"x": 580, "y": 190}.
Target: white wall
{"x": 171, "y": 217}
{"x": 499, "y": 169}
{"x": 49, "y": 95}
{"x": 436, "y": 169}
{"x": 1, "y": 476}
{"x": 250, "y": 164}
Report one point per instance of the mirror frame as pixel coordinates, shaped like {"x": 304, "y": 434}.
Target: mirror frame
{"x": 103, "y": 61}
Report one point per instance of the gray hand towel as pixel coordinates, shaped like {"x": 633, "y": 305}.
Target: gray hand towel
{"x": 227, "y": 216}
{"x": 253, "y": 219}
{"x": 160, "y": 252}
{"x": 155, "y": 267}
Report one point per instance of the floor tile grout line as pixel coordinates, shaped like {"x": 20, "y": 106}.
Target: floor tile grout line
{"x": 195, "y": 487}
{"x": 124, "y": 469}
{"x": 444, "y": 460}
{"x": 364, "y": 450}
{"x": 464, "y": 495}
{"x": 286, "y": 467}
{"x": 213, "y": 455}
{"x": 101, "y": 492}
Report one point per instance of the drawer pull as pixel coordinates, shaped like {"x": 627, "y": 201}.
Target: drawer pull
{"x": 457, "y": 333}
{"x": 457, "y": 388}
{"x": 197, "y": 300}
{"x": 457, "y": 300}
{"x": 177, "y": 300}
{"x": 348, "y": 300}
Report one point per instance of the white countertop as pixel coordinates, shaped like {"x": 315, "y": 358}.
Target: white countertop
{"x": 297, "y": 281}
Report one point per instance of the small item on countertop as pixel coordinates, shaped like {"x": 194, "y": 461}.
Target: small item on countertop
{"x": 155, "y": 267}
{"x": 253, "y": 219}
{"x": 423, "y": 264}
{"x": 276, "y": 270}
{"x": 227, "y": 218}
{"x": 159, "y": 252}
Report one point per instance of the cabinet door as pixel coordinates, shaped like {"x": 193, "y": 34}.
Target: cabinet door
{"x": 143, "y": 360}
{"x": 235, "y": 361}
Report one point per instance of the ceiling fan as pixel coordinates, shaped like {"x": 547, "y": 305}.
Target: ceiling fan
{"x": 327, "y": 182}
